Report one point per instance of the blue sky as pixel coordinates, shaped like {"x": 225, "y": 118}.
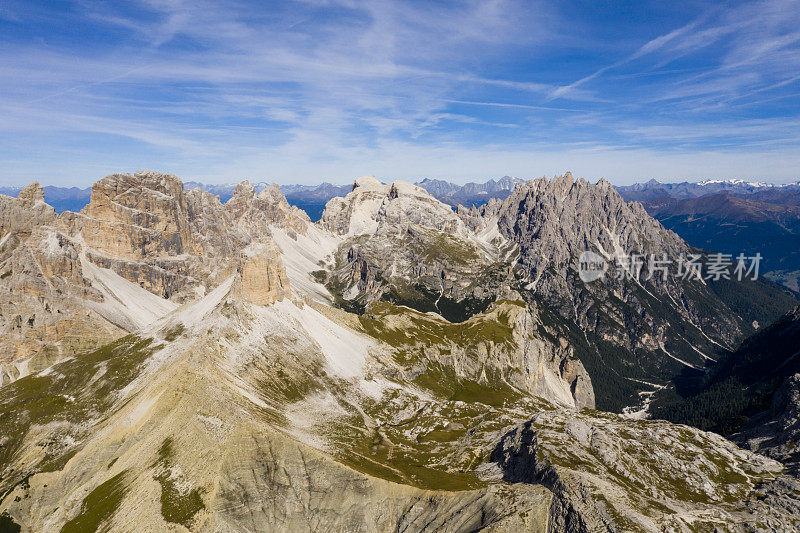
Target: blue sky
{"x": 305, "y": 91}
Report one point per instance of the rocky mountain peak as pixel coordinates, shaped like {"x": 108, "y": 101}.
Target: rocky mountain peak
{"x": 273, "y": 191}
{"x": 138, "y": 215}
{"x": 243, "y": 189}
{"x": 563, "y": 217}
{"x": 604, "y": 184}
{"x": 31, "y": 194}
{"x": 255, "y": 213}
{"x": 372, "y": 204}
{"x": 367, "y": 182}
{"x": 564, "y": 180}
{"x": 28, "y": 210}
{"x": 554, "y": 221}
{"x": 124, "y": 188}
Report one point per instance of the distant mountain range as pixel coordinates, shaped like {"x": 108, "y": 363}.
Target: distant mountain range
{"x": 472, "y": 193}
{"x": 652, "y": 189}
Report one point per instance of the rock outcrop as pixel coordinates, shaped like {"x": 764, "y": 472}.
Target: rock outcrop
{"x": 261, "y": 278}
{"x": 44, "y": 304}
{"x": 174, "y": 243}
{"x": 608, "y": 473}
{"x": 500, "y": 351}
{"x": 31, "y": 195}
{"x": 148, "y": 230}
{"x": 138, "y": 216}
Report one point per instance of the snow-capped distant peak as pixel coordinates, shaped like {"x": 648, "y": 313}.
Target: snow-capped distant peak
{"x": 736, "y": 182}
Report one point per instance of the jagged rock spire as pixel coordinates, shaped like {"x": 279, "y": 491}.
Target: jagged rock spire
{"x": 31, "y": 194}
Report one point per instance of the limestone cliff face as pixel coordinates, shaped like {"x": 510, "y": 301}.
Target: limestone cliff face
{"x": 364, "y": 201}
{"x": 138, "y": 226}
{"x": 43, "y": 304}
{"x": 138, "y": 216}
{"x": 213, "y": 228}
{"x": 175, "y": 243}
{"x": 261, "y": 278}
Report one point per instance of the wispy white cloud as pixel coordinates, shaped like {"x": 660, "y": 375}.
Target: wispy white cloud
{"x": 649, "y": 47}
{"x": 304, "y": 90}
{"x": 758, "y": 41}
